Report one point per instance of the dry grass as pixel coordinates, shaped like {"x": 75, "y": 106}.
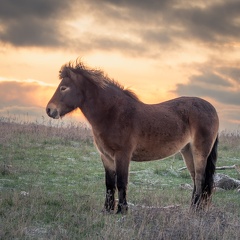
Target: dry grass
{"x": 71, "y": 132}
{"x": 230, "y": 142}
{"x": 172, "y": 223}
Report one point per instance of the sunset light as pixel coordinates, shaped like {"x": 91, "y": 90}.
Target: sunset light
{"x": 158, "y": 49}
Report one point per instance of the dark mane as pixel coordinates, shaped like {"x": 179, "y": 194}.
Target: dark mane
{"x": 97, "y": 76}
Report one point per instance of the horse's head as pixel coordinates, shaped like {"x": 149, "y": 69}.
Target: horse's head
{"x": 67, "y": 96}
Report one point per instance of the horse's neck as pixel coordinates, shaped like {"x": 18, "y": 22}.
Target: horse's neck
{"x": 96, "y": 105}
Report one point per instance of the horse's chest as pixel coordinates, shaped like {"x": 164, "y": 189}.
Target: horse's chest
{"x": 103, "y": 146}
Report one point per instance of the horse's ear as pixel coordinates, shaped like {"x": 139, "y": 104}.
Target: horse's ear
{"x": 73, "y": 75}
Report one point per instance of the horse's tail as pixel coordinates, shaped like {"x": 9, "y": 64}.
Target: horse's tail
{"x": 210, "y": 170}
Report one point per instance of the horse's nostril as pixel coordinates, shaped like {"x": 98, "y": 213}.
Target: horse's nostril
{"x": 48, "y": 110}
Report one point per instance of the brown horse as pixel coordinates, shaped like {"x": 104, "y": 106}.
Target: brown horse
{"x": 124, "y": 129}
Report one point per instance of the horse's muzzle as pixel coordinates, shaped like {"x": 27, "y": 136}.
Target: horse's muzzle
{"x": 52, "y": 111}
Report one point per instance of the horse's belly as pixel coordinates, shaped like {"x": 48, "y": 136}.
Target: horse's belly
{"x": 140, "y": 156}
{"x": 147, "y": 151}
{"x": 144, "y": 154}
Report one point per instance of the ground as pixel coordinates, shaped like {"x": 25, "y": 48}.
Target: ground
{"x": 52, "y": 187}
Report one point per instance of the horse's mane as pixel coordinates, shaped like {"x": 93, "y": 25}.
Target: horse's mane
{"x": 96, "y": 76}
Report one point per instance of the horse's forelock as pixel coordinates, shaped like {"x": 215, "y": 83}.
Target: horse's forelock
{"x": 65, "y": 69}
{"x": 63, "y": 72}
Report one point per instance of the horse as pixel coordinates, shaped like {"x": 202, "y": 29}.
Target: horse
{"x": 126, "y": 129}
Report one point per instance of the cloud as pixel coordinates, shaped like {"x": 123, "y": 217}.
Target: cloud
{"x": 167, "y": 23}
{"x": 219, "y": 83}
{"x": 24, "y": 101}
{"x": 216, "y": 23}
{"x": 229, "y": 116}
{"x": 24, "y": 94}
{"x": 231, "y": 72}
{"x": 221, "y": 95}
{"x": 142, "y": 27}
{"x": 33, "y": 23}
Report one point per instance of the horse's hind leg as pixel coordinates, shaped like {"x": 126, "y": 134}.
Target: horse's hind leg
{"x": 188, "y": 158}
{"x": 197, "y": 199}
{"x": 205, "y": 158}
{"x": 200, "y": 156}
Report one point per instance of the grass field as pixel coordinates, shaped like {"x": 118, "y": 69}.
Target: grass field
{"x": 52, "y": 187}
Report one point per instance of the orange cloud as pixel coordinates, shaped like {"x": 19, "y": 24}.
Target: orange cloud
{"x": 24, "y": 93}
{"x": 24, "y": 100}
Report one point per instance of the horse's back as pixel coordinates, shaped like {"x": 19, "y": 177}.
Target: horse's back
{"x": 184, "y": 111}
{"x": 176, "y": 114}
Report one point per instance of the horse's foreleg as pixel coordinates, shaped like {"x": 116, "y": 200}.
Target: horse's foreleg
{"x": 110, "y": 181}
{"x": 122, "y": 170}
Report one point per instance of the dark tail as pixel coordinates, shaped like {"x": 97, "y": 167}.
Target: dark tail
{"x": 209, "y": 171}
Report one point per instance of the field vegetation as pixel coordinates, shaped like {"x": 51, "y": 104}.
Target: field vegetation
{"x": 52, "y": 187}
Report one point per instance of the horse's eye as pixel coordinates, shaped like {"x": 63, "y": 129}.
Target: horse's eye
{"x": 63, "y": 88}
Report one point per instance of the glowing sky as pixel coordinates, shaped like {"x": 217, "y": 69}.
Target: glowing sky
{"x": 158, "y": 48}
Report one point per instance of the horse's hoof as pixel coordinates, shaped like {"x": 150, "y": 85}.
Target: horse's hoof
{"x": 122, "y": 209}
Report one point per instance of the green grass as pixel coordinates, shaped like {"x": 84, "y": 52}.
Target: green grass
{"x": 52, "y": 187}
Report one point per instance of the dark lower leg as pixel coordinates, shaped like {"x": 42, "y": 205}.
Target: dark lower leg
{"x": 122, "y": 195}
{"x": 122, "y": 167}
{"x": 122, "y": 203}
{"x": 194, "y": 200}
{"x": 110, "y": 190}
{"x": 110, "y": 200}
{"x": 199, "y": 198}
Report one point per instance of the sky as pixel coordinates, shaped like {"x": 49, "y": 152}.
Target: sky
{"x": 160, "y": 49}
